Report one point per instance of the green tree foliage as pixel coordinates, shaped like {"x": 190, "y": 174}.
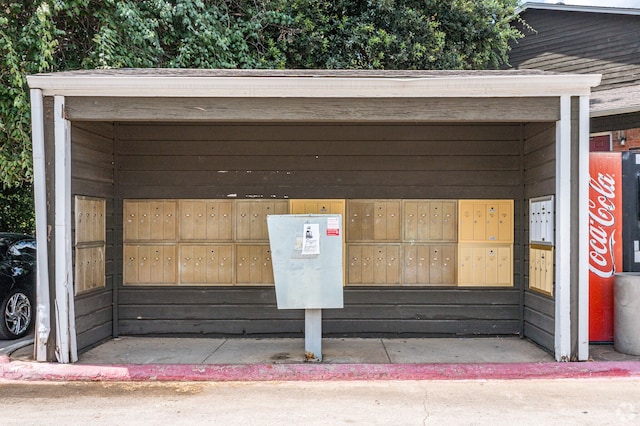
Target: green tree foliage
{"x": 56, "y": 35}
{"x": 27, "y": 43}
{"x": 184, "y": 33}
{"x": 400, "y": 34}
{"x": 16, "y": 209}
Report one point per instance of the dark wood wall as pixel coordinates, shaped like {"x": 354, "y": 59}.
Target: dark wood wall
{"x": 580, "y": 42}
{"x": 93, "y": 175}
{"x": 539, "y": 180}
{"x": 156, "y": 160}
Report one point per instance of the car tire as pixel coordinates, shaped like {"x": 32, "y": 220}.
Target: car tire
{"x": 17, "y": 315}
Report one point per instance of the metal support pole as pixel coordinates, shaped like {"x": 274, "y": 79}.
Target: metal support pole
{"x": 313, "y": 334}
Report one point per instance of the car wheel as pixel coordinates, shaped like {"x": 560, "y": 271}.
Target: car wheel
{"x": 16, "y": 315}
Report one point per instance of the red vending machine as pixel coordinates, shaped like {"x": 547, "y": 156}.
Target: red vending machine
{"x": 605, "y": 240}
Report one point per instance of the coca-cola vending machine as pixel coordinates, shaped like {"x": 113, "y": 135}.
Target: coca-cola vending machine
{"x": 605, "y": 240}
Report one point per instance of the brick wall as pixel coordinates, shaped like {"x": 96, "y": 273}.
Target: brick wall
{"x": 632, "y": 139}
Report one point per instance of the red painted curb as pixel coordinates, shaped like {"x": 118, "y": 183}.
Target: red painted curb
{"x": 34, "y": 371}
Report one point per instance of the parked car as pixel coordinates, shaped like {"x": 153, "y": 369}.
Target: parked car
{"x": 17, "y": 284}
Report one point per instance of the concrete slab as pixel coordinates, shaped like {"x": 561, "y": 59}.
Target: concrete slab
{"x": 464, "y": 350}
{"x": 605, "y": 352}
{"x": 157, "y": 350}
{"x": 258, "y": 351}
{"x": 151, "y": 350}
{"x": 287, "y": 351}
{"x": 354, "y": 351}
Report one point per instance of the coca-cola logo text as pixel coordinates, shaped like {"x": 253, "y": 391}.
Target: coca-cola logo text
{"x": 602, "y": 226}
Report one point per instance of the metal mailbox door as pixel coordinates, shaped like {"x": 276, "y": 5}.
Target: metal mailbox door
{"x": 307, "y": 278}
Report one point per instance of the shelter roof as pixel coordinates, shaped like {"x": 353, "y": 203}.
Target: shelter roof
{"x": 164, "y": 82}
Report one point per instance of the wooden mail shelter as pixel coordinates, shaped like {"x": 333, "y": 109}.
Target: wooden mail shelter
{"x": 153, "y": 186}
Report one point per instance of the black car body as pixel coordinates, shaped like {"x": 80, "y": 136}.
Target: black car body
{"x": 17, "y": 284}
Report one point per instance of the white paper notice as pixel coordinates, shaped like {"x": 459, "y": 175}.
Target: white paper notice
{"x": 311, "y": 239}
{"x": 333, "y": 226}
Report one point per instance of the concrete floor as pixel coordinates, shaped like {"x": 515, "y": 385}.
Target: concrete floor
{"x": 227, "y": 351}
{"x": 158, "y": 350}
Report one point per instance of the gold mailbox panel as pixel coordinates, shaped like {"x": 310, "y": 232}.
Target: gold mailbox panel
{"x": 90, "y": 219}
{"x": 430, "y": 264}
{"x": 89, "y": 268}
{"x": 373, "y": 220}
{"x": 206, "y": 264}
{"x": 485, "y": 265}
{"x": 251, "y": 218}
{"x": 430, "y": 220}
{"x": 485, "y": 221}
{"x": 373, "y": 264}
{"x": 206, "y": 220}
{"x": 153, "y": 220}
{"x": 541, "y": 273}
{"x": 313, "y": 206}
{"x": 149, "y": 264}
{"x": 253, "y": 264}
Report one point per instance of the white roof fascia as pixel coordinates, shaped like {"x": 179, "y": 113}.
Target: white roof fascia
{"x": 316, "y": 87}
{"x": 578, "y": 8}
{"x": 615, "y": 111}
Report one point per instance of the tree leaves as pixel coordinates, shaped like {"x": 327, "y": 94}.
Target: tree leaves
{"x": 55, "y": 35}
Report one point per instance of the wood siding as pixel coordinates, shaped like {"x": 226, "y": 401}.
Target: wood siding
{"x": 305, "y": 160}
{"x": 581, "y": 42}
{"x": 615, "y": 122}
{"x": 93, "y": 175}
{"x": 334, "y": 110}
{"x": 539, "y": 180}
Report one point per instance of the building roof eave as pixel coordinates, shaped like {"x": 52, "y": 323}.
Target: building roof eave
{"x": 577, "y": 8}
{"x": 322, "y": 84}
